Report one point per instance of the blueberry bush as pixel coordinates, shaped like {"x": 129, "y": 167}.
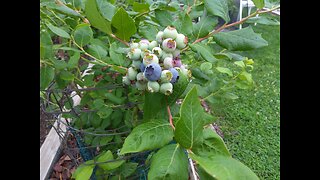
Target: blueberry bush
{"x": 143, "y": 70}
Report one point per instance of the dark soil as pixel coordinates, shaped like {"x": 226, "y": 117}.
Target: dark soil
{"x": 46, "y": 121}
{"x": 68, "y": 161}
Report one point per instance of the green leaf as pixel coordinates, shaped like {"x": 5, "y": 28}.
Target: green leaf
{"x": 148, "y": 136}
{"x": 230, "y": 95}
{"x": 59, "y": 64}
{"x": 240, "y": 40}
{"x": 107, "y": 156}
{"x": 104, "y": 112}
{"x": 128, "y": 168}
{"x": 95, "y": 18}
{"x": 45, "y": 45}
{"x": 68, "y": 49}
{"x": 106, "y": 9}
{"x": 189, "y": 128}
{"x": 148, "y": 31}
{"x": 240, "y": 64}
{"x": 73, "y": 62}
{"x": 218, "y": 8}
{"x": 46, "y": 76}
{"x": 205, "y": 66}
{"x": 83, "y": 34}
{"x": 212, "y": 145}
{"x": 123, "y": 25}
{"x": 140, "y": 7}
{"x": 258, "y": 3}
{"x": 225, "y": 70}
{"x": 66, "y": 75}
{"x": 155, "y": 104}
{"x": 186, "y": 25}
{"x": 164, "y": 17}
{"x": 266, "y": 20}
{"x": 117, "y": 58}
{"x": 246, "y": 76}
{"x": 203, "y": 51}
{"x": 97, "y": 51}
{"x": 58, "y": 31}
{"x": 84, "y": 171}
{"x": 169, "y": 163}
{"x": 204, "y": 26}
{"x": 224, "y": 168}
{"x": 63, "y": 9}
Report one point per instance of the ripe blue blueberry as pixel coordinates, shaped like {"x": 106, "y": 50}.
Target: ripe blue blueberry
{"x": 175, "y": 76}
{"x": 152, "y": 72}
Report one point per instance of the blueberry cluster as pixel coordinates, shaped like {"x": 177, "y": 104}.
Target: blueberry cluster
{"x": 156, "y": 65}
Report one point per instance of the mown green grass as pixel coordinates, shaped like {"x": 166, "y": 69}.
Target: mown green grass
{"x": 251, "y": 124}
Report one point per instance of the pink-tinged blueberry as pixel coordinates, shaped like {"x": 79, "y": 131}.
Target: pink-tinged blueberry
{"x": 169, "y": 45}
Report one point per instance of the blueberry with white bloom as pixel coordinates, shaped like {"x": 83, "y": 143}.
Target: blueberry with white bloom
{"x": 150, "y": 58}
{"x": 132, "y": 73}
{"x": 159, "y": 37}
{"x": 136, "y": 64}
{"x": 168, "y": 63}
{"x": 165, "y": 55}
{"x": 153, "y": 86}
{"x": 176, "y": 53}
{"x": 152, "y": 72}
{"x": 134, "y": 45}
{"x": 141, "y": 78}
{"x": 141, "y": 85}
{"x": 144, "y": 44}
{"x": 166, "y": 76}
{"x": 170, "y": 32}
{"x": 175, "y": 76}
{"x": 134, "y": 54}
{"x": 166, "y": 88}
{"x": 144, "y": 52}
{"x": 157, "y": 51}
{"x": 152, "y": 45}
{"x": 126, "y": 80}
{"x": 181, "y": 41}
{"x": 169, "y": 45}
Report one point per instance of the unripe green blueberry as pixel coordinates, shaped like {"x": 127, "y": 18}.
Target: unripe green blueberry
{"x": 153, "y": 86}
{"x": 168, "y": 63}
{"x": 165, "y": 55}
{"x": 157, "y": 51}
{"x": 126, "y": 80}
{"x": 181, "y": 41}
{"x": 176, "y": 53}
{"x": 185, "y": 71}
{"x": 144, "y": 44}
{"x": 134, "y": 54}
{"x": 141, "y": 78}
{"x": 150, "y": 58}
{"x": 132, "y": 73}
{"x": 170, "y": 32}
{"x": 141, "y": 85}
{"x": 166, "y": 76}
{"x": 159, "y": 37}
{"x": 136, "y": 64}
{"x": 134, "y": 45}
{"x": 169, "y": 45}
{"x": 152, "y": 45}
{"x": 166, "y": 88}
{"x": 144, "y": 52}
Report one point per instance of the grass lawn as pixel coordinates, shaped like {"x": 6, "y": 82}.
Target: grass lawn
{"x": 251, "y": 124}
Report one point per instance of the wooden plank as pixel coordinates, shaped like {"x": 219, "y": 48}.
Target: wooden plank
{"x": 50, "y": 149}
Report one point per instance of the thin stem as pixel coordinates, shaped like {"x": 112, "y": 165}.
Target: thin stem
{"x": 235, "y": 23}
{"x": 98, "y": 60}
{"x": 124, "y": 42}
{"x": 141, "y": 14}
{"x": 170, "y": 115}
